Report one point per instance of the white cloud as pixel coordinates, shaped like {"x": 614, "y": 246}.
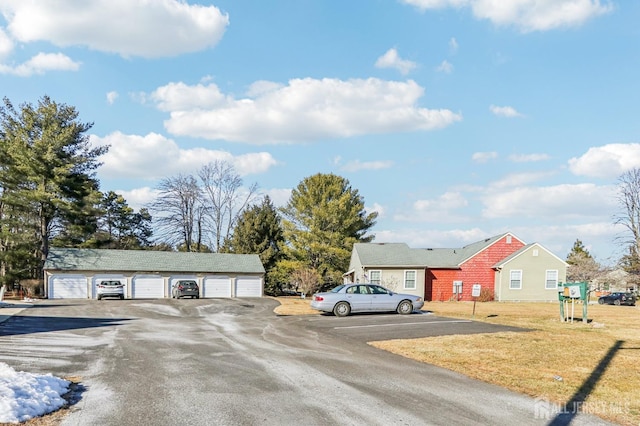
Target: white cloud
{"x": 357, "y": 165}
{"x": 181, "y": 97}
{"x": 442, "y": 209}
{"x": 527, "y": 15}
{"x": 304, "y": 110}
{"x": 519, "y": 179}
{"x": 40, "y": 64}
{"x": 504, "y": 111}
{"x": 453, "y": 46}
{"x": 111, "y": 97}
{"x": 483, "y": 157}
{"x": 445, "y": 67}
{"x": 391, "y": 60}
{"x": 155, "y": 156}
{"x": 279, "y": 196}
{"x": 6, "y": 45}
{"x": 552, "y": 202}
{"x": 607, "y": 161}
{"x": 138, "y": 197}
{"x": 147, "y": 28}
{"x": 528, "y": 158}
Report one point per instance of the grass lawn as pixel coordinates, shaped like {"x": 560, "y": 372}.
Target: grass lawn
{"x": 595, "y": 363}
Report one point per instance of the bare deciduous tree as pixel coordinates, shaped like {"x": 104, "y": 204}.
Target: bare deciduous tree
{"x": 179, "y": 213}
{"x": 629, "y": 216}
{"x": 225, "y": 198}
{"x": 306, "y": 280}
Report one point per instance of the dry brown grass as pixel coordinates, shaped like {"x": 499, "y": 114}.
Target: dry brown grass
{"x": 532, "y": 362}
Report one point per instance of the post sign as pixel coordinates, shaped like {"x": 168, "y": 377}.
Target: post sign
{"x": 475, "y": 290}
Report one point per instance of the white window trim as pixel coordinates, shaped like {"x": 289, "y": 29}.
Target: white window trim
{"x": 511, "y": 279}
{"x": 546, "y": 279}
{"x": 370, "y": 272}
{"x": 415, "y": 280}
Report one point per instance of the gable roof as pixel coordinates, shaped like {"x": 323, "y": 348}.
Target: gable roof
{"x": 524, "y": 249}
{"x": 73, "y": 259}
{"x": 399, "y": 254}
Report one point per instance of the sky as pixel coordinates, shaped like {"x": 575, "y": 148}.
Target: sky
{"x": 455, "y": 120}
{"x": 25, "y": 395}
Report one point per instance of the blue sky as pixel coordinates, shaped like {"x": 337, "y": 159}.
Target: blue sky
{"x": 456, "y": 120}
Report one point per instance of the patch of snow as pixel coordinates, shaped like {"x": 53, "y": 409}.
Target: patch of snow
{"x": 24, "y": 396}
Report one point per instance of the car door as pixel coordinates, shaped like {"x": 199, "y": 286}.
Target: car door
{"x": 359, "y": 298}
{"x": 382, "y": 299}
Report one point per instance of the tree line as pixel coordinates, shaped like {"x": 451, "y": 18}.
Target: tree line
{"x": 50, "y": 196}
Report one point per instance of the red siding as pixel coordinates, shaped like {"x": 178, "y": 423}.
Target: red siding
{"x": 476, "y": 270}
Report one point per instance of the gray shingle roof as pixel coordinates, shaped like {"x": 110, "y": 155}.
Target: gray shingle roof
{"x": 72, "y": 259}
{"x": 399, "y": 254}
{"x": 387, "y": 254}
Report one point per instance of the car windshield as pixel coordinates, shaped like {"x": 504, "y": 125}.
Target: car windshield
{"x": 337, "y": 289}
{"x": 110, "y": 283}
{"x": 187, "y": 283}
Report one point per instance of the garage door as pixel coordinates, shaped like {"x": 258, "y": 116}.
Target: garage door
{"x": 216, "y": 286}
{"x": 147, "y": 287}
{"x": 248, "y": 287}
{"x": 68, "y": 287}
{"x": 98, "y": 278}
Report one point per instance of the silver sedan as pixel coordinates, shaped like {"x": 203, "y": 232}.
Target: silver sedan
{"x": 348, "y": 298}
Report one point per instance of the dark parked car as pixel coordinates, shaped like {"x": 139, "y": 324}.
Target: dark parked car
{"x": 185, "y": 288}
{"x": 618, "y": 298}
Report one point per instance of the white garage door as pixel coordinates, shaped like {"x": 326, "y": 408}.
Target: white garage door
{"x": 248, "y": 287}
{"x": 216, "y": 286}
{"x": 98, "y": 278}
{"x": 68, "y": 287}
{"x": 147, "y": 287}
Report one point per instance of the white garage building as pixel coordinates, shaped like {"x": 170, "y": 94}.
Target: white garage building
{"x": 72, "y": 273}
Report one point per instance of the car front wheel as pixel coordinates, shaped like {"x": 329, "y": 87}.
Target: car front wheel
{"x": 342, "y": 309}
{"x": 601, "y": 301}
{"x": 405, "y": 307}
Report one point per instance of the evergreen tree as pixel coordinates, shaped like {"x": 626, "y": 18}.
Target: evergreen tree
{"x": 48, "y": 170}
{"x": 259, "y": 231}
{"x": 582, "y": 266}
{"x": 324, "y": 217}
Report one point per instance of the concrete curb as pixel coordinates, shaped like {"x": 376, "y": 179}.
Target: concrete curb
{"x": 11, "y": 308}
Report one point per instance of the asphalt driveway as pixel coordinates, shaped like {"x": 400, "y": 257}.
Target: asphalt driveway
{"x": 234, "y": 362}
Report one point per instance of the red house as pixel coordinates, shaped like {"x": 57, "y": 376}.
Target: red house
{"x": 505, "y": 267}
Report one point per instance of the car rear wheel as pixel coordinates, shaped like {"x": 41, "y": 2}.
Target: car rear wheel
{"x": 616, "y": 302}
{"x": 405, "y": 307}
{"x": 601, "y": 301}
{"x": 342, "y": 309}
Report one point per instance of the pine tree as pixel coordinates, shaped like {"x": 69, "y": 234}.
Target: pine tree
{"x": 48, "y": 170}
{"x": 259, "y": 231}
{"x": 582, "y": 266}
{"x": 324, "y": 217}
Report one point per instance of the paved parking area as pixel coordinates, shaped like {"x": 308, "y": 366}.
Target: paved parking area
{"x": 370, "y": 327}
{"x": 234, "y": 362}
